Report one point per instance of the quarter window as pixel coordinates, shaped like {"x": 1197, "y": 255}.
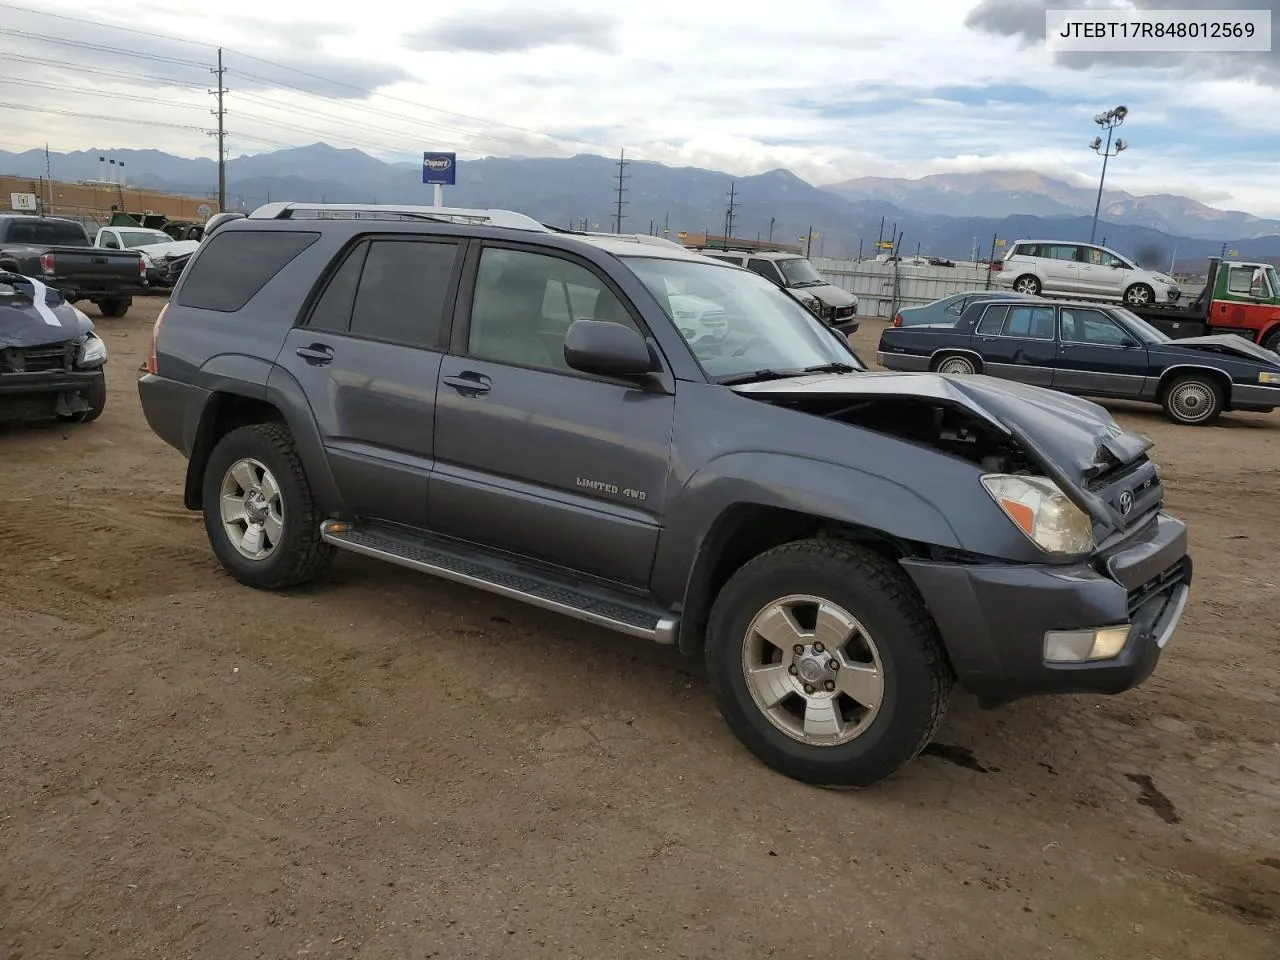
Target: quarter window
{"x": 525, "y": 302}
{"x": 232, "y": 266}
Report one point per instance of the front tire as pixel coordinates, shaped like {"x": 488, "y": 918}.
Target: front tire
{"x": 1028, "y": 284}
{"x": 775, "y": 630}
{"x": 1193, "y": 400}
{"x": 1139, "y": 295}
{"x": 1272, "y": 341}
{"x": 259, "y": 513}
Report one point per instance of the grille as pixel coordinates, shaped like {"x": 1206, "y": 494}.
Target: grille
{"x": 59, "y": 356}
{"x": 1100, "y": 481}
{"x": 1164, "y": 583}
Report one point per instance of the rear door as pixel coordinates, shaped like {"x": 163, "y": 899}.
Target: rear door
{"x": 1016, "y": 342}
{"x": 368, "y": 357}
{"x": 534, "y": 457}
{"x": 1096, "y": 356}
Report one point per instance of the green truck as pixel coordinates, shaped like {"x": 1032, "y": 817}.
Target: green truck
{"x": 1239, "y": 297}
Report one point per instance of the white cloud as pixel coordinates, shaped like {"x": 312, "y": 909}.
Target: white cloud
{"x": 711, "y": 84}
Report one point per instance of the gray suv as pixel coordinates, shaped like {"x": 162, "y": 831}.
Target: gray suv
{"x": 485, "y": 399}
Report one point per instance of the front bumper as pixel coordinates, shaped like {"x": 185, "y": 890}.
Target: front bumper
{"x": 993, "y": 617}
{"x": 35, "y": 396}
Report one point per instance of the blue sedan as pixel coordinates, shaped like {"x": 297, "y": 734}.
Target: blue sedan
{"x": 1091, "y": 349}
{"x": 948, "y": 309}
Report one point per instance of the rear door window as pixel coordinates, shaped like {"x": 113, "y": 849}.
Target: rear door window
{"x": 992, "y": 321}
{"x": 1034, "y": 323}
{"x": 403, "y": 288}
{"x": 232, "y": 266}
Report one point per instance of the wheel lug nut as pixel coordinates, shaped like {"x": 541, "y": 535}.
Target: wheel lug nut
{"x": 799, "y": 649}
{"x": 818, "y": 648}
{"x": 808, "y": 688}
{"x": 793, "y": 670}
{"x": 833, "y": 664}
{"x": 829, "y": 685}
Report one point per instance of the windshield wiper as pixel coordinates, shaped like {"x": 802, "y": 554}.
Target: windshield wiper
{"x": 836, "y": 367}
{"x": 758, "y": 375}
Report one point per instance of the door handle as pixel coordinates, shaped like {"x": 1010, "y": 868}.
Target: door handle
{"x": 317, "y": 354}
{"x": 469, "y": 383}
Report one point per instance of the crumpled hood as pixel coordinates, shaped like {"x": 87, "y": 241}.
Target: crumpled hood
{"x": 32, "y": 315}
{"x": 1229, "y": 342}
{"x": 829, "y": 294}
{"x": 1075, "y": 437}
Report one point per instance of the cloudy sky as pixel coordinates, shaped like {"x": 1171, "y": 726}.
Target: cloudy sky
{"x": 831, "y": 89}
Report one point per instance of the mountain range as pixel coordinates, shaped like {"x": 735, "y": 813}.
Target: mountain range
{"x": 944, "y": 215}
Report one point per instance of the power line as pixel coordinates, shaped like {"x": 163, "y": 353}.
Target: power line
{"x": 97, "y": 116}
{"x": 279, "y": 66}
{"x": 101, "y": 48}
{"x": 96, "y": 93}
{"x": 113, "y": 74}
{"x": 622, "y": 166}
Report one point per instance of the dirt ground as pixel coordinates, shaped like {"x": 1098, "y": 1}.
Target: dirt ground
{"x": 386, "y": 766}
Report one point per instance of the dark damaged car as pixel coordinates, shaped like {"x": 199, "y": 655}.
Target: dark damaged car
{"x": 1094, "y": 350}
{"x": 473, "y": 396}
{"x": 52, "y": 363}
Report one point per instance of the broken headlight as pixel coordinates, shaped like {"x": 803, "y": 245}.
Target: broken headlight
{"x": 1042, "y": 511}
{"x": 93, "y": 352}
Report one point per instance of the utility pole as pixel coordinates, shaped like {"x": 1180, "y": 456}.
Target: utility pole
{"x": 666, "y": 223}
{"x": 622, "y": 166}
{"x": 733, "y": 206}
{"x": 222, "y": 134}
{"x": 808, "y": 242}
{"x": 771, "y": 229}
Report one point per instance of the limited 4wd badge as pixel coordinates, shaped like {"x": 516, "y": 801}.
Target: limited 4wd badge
{"x": 612, "y": 488}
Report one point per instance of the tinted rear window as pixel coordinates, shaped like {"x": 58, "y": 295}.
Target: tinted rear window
{"x": 233, "y": 266}
{"x": 51, "y": 233}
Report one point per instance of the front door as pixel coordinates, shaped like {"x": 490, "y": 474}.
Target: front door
{"x": 1016, "y": 343}
{"x": 532, "y": 456}
{"x": 368, "y": 357}
{"x": 1097, "y": 357}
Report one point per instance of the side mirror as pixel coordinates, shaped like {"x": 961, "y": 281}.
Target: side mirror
{"x": 606, "y": 349}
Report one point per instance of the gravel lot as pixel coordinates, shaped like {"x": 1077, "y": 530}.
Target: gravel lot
{"x": 386, "y": 766}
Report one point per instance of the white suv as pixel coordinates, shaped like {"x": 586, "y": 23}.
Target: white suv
{"x": 1083, "y": 271}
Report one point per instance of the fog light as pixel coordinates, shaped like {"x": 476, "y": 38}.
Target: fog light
{"x": 1077, "y": 646}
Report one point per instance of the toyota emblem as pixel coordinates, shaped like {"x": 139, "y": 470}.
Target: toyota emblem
{"x": 1126, "y": 503}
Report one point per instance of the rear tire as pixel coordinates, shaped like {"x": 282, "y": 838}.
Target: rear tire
{"x": 955, "y": 364}
{"x": 1193, "y": 400}
{"x": 874, "y": 625}
{"x": 1028, "y": 284}
{"x": 291, "y": 552}
{"x": 1139, "y": 295}
{"x": 1272, "y": 342}
{"x": 114, "y": 308}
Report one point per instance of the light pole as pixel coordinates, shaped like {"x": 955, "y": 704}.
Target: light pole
{"x": 1109, "y": 120}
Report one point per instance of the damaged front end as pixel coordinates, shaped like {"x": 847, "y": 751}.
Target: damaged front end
{"x": 1094, "y": 614}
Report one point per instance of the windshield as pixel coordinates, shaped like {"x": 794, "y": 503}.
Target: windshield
{"x": 799, "y": 272}
{"x": 736, "y": 322}
{"x": 141, "y": 238}
{"x": 1140, "y": 328}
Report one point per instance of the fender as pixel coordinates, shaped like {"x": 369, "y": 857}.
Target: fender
{"x": 817, "y": 488}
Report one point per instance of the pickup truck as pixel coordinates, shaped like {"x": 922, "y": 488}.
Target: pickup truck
{"x": 472, "y": 395}
{"x": 1238, "y": 297}
{"x": 58, "y": 253}
{"x": 156, "y": 248}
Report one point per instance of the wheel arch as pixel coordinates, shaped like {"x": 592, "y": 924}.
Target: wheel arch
{"x": 743, "y": 531}
{"x": 942, "y": 353}
{"x": 1172, "y": 373}
{"x": 229, "y": 409}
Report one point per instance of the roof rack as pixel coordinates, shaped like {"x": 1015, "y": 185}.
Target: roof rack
{"x": 741, "y": 248}
{"x": 376, "y": 211}
{"x": 633, "y": 237}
